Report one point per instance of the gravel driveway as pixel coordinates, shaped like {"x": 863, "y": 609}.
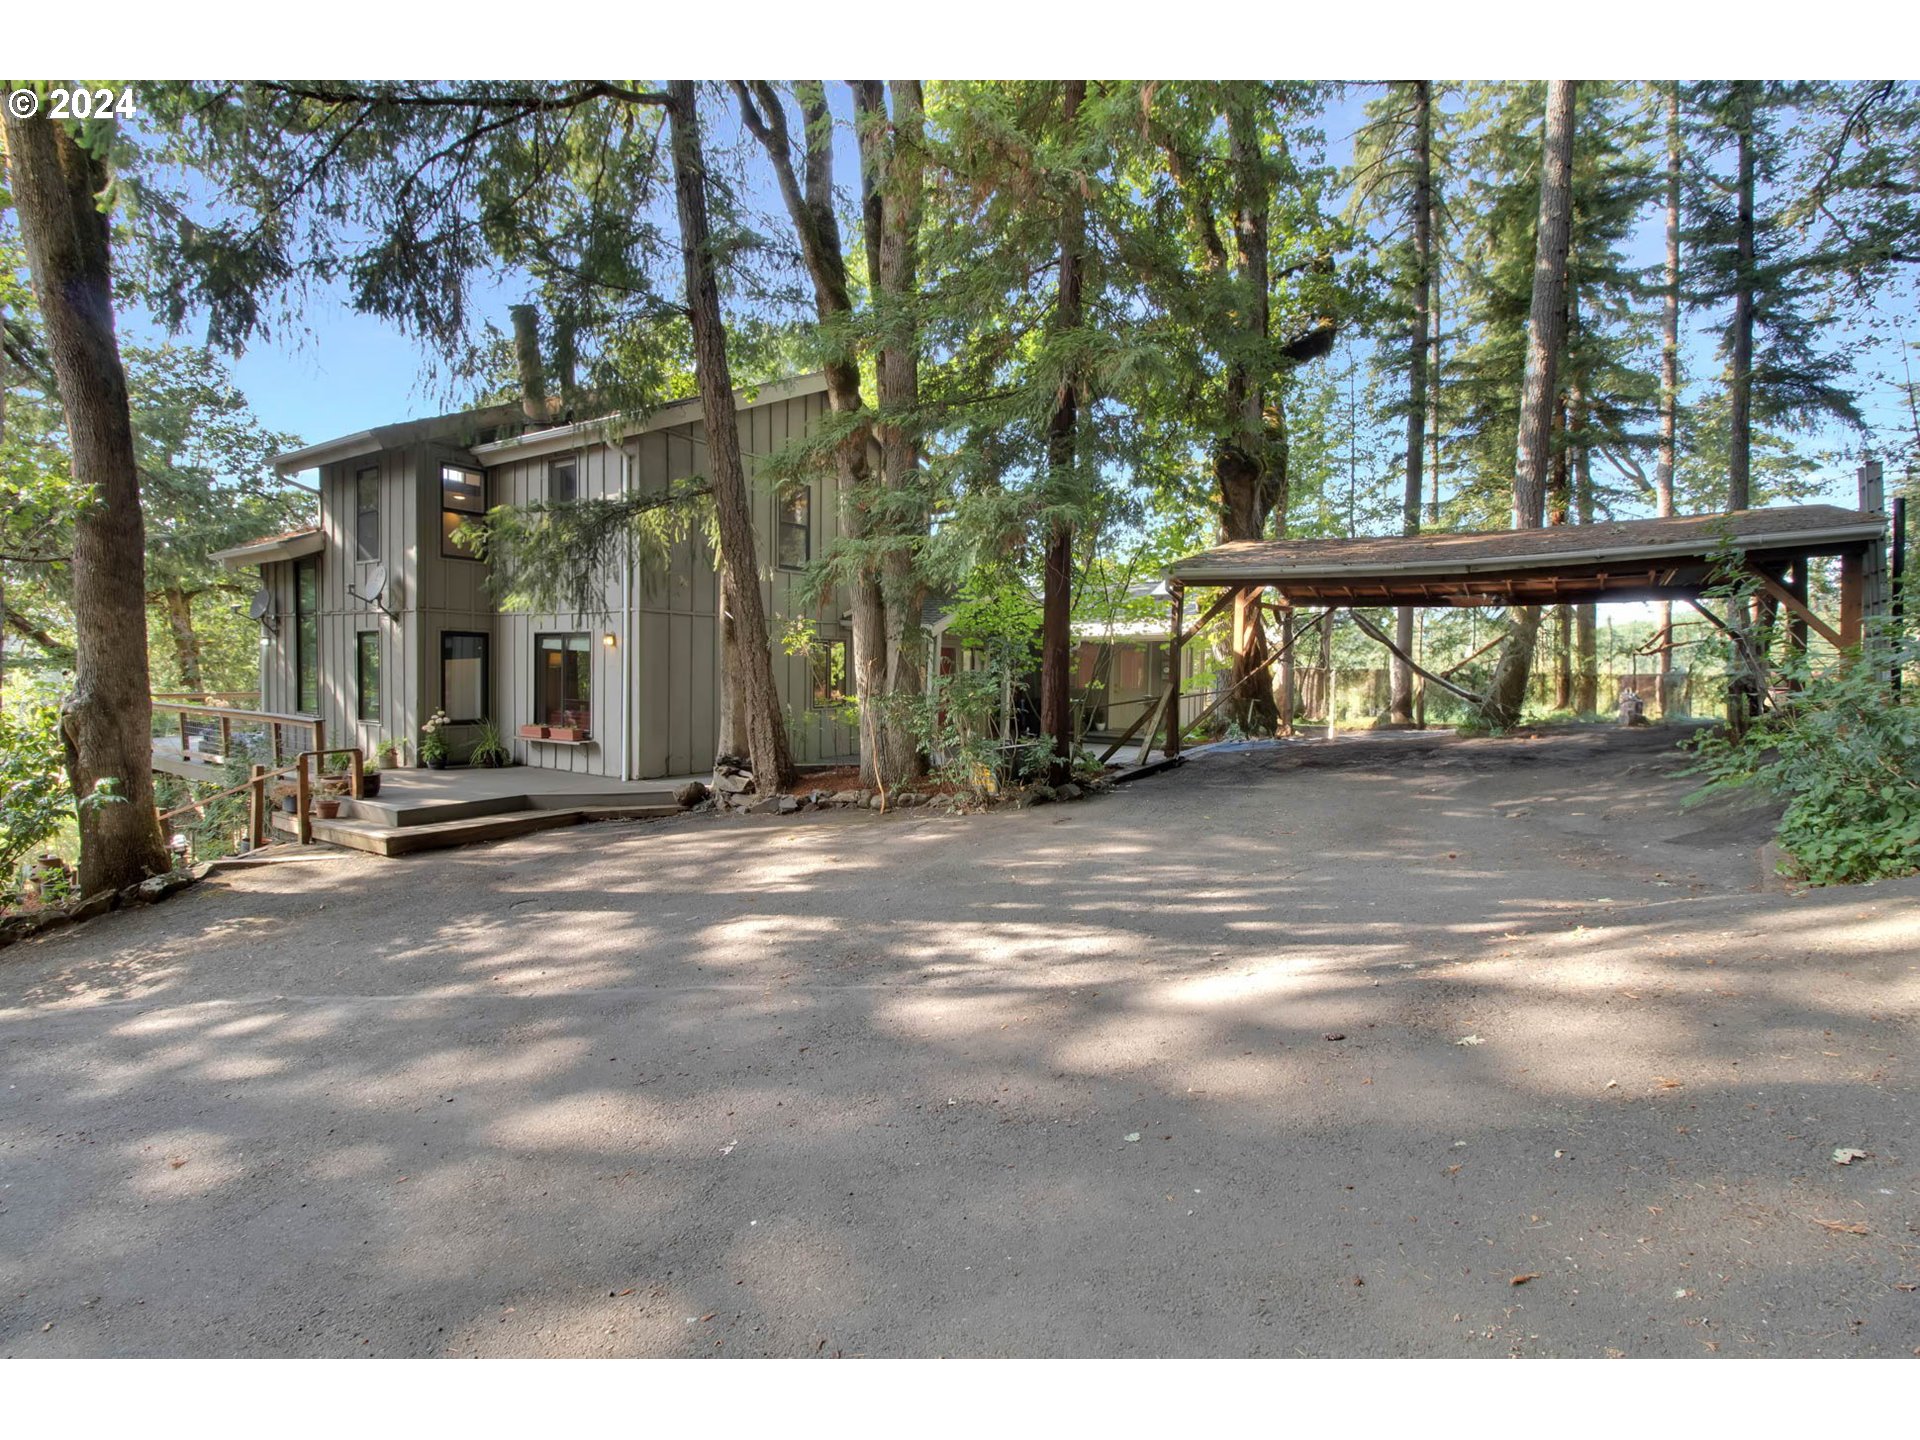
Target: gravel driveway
{"x": 1386, "y": 1046}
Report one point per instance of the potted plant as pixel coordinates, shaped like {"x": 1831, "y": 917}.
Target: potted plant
{"x": 490, "y": 751}
{"x": 571, "y": 730}
{"x": 370, "y": 779}
{"x": 433, "y": 743}
{"x": 327, "y": 806}
{"x": 288, "y": 794}
{"x": 533, "y": 732}
{"x": 393, "y": 754}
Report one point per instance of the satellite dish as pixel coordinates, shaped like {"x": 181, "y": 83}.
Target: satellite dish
{"x": 373, "y": 587}
{"x": 261, "y": 606}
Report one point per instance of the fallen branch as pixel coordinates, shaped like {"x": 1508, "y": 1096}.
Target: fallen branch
{"x": 1374, "y": 632}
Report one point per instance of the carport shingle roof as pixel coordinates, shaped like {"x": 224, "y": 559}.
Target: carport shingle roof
{"x": 1796, "y": 527}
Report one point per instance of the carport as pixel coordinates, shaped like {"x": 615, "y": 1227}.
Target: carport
{"x": 1675, "y": 559}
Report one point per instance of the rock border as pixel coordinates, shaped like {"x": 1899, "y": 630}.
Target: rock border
{"x": 28, "y": 924}
{"x": 730, "y": 797}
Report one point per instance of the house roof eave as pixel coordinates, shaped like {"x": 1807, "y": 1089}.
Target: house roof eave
{"x": 294, "y": 546}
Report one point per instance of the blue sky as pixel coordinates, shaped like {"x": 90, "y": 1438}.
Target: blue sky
{"x": 352, "y": 371}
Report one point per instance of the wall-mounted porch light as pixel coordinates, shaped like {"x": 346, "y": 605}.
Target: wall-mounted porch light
{"x": 608, "y": 640}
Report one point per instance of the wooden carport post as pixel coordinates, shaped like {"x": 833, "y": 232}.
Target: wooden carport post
{"x": 1853, "y": 575}
{"x": 1178, "y": 594}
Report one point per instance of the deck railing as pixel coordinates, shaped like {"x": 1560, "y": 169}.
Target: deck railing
{"x": 306, "y": 769}
{"x": 208, "y": 729}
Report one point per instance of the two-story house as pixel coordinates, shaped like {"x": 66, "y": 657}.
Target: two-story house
{"x": 379, "y": 615}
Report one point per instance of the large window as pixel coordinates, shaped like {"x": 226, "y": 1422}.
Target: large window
{"x": 563, "y": 481}
{"x": 796, "y": 528}
{"x": 306, "y": 635}
{"x": 366, "y": 673}
{"x": 463, "y": 497}
{"x": 829, "y": 673}
{"x": 563, "y": 680}
{"x": 463, "y": 676}
{"x": 366, "y": 515}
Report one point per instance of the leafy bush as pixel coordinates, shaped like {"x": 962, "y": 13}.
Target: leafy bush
{"x": 490, "y": 747}
{"x": 35, "y": 800}
{"x": 1844, "y": 753}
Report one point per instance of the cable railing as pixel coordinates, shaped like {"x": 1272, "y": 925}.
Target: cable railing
{"x": 306, "y": 769}
{"x": 207, "y": 728}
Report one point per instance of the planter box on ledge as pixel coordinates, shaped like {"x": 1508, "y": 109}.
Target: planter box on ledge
{"x": 567, "y": 734}
{"x": 533, "y": 732}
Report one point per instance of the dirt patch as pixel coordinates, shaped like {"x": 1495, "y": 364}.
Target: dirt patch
{"x": 840, "y": 779}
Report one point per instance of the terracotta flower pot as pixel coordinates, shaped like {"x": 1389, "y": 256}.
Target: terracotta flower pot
{"x": 327, "y": 809}
{"x": 533, "y": 732}
{"x": 566, "y": 732}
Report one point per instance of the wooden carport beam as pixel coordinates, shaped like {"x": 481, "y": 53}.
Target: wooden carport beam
{"x": 1795, "y": 607}
{"x": 1178, "y": 591}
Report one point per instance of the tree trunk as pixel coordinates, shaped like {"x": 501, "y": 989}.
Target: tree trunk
{"x": 3, "y": 437}
{"x": 1749, "y": 683}
{"x": 893, "y": 178}
{"x": 1559, "y": 511}
{"x": 757, "y": 694}
{"x": 106, "y": 721}
{"x": 734, "y": 740}
{"x": 1563, "y": 657}
{"x": 1251, "y": 488}
{"x": 1669, "y": 374}
{"x": 1400, "y": 700}
{"x": 186, "y": 640}
{"x": 809, "y": 198}
{"x": 1740, "y": 382}
{"x": 1326, "y": 669}
{"x": 1586, "y": 672}
{"x": 1433, "y": 372}
{"x": 1056, "y": 607}
{"x": 526, "y": 353}
{"x": 1586, "y": 679}
{"x": 1546, "y": 334}
{"x": 1286, "y": 690}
